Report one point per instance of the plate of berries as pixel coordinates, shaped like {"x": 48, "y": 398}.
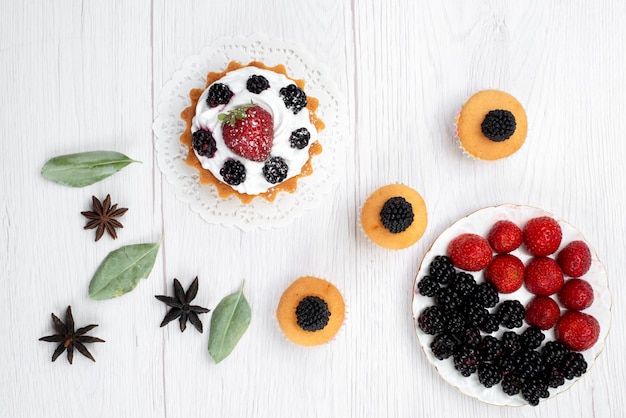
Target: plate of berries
{"x": 511, "y": 305}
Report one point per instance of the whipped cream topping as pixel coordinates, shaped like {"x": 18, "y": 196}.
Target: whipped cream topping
{"x": 285, "y": 122}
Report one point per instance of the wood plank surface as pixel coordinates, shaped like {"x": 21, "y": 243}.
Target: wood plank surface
{"x": 81, "y": 76}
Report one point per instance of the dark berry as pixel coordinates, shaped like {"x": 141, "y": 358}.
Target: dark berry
{"x": 455, "y": 322}
{"x": 489, "y": 374}
{"x": 532, "y": 338}
{"x": 443, "y": 345}
{"x": 431, "y": 320}
{"x": 219, "y": 94}
{"x": 448, "y": 299}
{"x": 498, "y": 125}
{"x": 466, "y": 360}
{"x": 233, "y": 172}
{"x": 204, "y": 143}
{"x": 573, "y": 365}
{"x": 428, "y": 286}
{"x": 463, "y": 284}
{"x": 474, "y": 315}
{"x": 489, "y": 324}
{"x": 442, "y": 269}
{"x": 534, "y": 389}
{"x": 257, "y": 83}
{"x": 490, "y": 348}
{"x": 299, "y": 138}
{"x": 294, "y": 98}
{"x": 554, "y": 352}
{"x": 470, "y": 336}
{"x": 485, "y": 295}
{"x": 554, "y": 377}
{"x": 511, "y": 384}
{"x": 275, "y": 170}
{"x": 396, "y": 215}
{"x": 527, "y": 363}
{"x": 312, "y": 313}
{"x": 511, "y": 313}
{"x": 511, "y": 342}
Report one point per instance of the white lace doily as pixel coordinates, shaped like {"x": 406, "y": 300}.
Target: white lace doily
{"x": 203, "y": 198}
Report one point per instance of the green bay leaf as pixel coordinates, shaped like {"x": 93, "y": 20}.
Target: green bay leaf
{"x": 85, "y": 168}
{"x": 229, "y": 322}
{"x": 121, "y": 270}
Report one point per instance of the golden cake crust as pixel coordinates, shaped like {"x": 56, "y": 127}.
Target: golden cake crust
{"x": 374, "y": 228}
{"x": 472, "y": 114}
{"x": 298, "y": 290}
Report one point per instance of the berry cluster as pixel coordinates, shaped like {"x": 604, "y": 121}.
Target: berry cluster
{"x": 294, "y": 98}
{"x": 461, "y": 323}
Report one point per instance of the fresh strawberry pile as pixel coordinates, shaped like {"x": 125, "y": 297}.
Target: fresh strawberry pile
{"x": 462, "y": 323}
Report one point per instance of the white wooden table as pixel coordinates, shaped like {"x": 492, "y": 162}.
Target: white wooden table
{"x": 86, "y": 75}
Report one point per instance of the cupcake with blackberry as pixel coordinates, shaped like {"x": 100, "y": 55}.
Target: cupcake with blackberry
{"x": 394, "y": 216}
{"x": 491, "y": 125}
{"x": 311, "y": 311}
{"x": 252, "y": 131}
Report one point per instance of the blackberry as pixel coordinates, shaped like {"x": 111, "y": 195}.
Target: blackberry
{"x": 490, "y": 348}
{"x": 443, "y": 345}
{"x": 511, "y": 313}
{"x": 511, "y": 384}
{"x": 489, "y": 324}
{"x": 554, "y": 377}
{"x": 428, "y": 286}
{"x": 455, "y": 322}
{"x": 299, "y": 138}
{"x": 204, "y": 143}
{"x": 489, "y": 374}
{"x": 219, "y": 94}
{"x": 312, "y": 313}
{"x": 257, "y": 83}
{"x": 511, "y": 342}
{"x": 294, "y": 98}
{"x": 448, "y": 299}
{"x": 532, "y": 338}
{"x": 431, "y": 320}
{"x": 498, "y": 125}
{"x": 442, "y": 269}
{"x": 485, "y": 295}
{"x": 534, "y": 389}
{"x": 396, "y": 215}
{"x": 573, "y": 365}
{"x": 470, "y": 336}
{"x": 233, "y": 172}
{"x": 554, "y": 352}
{"x": 466, "y": 360}
{"x": 463, "y": 284}
{"x": 474, "y": 315}
{"x": 527, "y": 364}
{"x": 275, "y": 170}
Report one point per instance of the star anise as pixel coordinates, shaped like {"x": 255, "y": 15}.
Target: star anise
{"x": 181, "y": 306}
{"x": 102, "y": 216}
{"x": 70, "y": 339}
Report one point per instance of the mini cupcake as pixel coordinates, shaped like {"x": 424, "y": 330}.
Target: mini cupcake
{"x": 311, "y": 311}
{"x": 491, "y": 125}
{"x": 394, "y": 216}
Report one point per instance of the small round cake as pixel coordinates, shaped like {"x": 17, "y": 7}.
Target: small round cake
{"x": 394, "y": 216}
{"x": 491, "y": 125}
{"x": 252, "y": 131}
{"x": 311, "y": 311}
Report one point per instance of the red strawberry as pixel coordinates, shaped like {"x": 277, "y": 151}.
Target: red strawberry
{"x": 542, "y": 236}
{"x": 248, "y": 130}
{"x": 576, "y": 294}
{"x": 505, "y": 272}
{"x": 575, "y": 259}
{"x": 542, "y": 312}
{"x": 578, "y": 331}
{"x": 470, "y": 252}
{"x": 504, "y": 237}
{"x": 543, "y": 276}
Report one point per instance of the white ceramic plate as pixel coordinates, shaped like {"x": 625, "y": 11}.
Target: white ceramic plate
{"x": 480, "y": 223}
